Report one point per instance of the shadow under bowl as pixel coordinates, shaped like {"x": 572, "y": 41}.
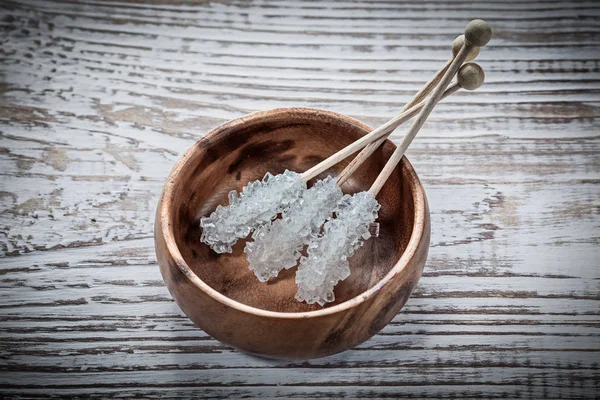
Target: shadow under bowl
{"x": 218, "y": 291}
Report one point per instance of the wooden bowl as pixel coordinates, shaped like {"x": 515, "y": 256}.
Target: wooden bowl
{"x": 218, "y": 291}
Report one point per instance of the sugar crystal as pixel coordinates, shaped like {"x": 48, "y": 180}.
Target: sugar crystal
{"x": 277, "y": 245}
{"x": 257, "y": 204}
{"x": 327, "y": 260}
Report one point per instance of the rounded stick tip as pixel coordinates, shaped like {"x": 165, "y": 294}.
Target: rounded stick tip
{"x": 458, "y": 44}
{"x": 478, "y": 33}
{"x": 470, "y": 76}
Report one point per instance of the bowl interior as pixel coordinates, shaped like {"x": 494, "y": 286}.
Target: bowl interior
{"x": 296, "y": 139}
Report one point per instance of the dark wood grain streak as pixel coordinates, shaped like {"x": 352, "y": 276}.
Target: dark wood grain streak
{"x": 98, "y": 100}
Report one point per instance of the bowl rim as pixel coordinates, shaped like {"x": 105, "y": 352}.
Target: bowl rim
{"x": 164, "y": 205}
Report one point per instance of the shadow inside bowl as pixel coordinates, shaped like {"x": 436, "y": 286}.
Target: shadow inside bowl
{"x": 237, "y": 154}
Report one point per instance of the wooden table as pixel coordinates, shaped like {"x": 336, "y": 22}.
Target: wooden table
{"x": 99, "y": 99}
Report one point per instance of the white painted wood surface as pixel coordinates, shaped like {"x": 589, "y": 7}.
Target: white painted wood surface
{"x": 98, "y": 100}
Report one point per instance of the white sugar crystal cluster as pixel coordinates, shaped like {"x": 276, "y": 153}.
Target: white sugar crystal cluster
{"x": 258, "y": 203}
{"x": 277, "y": 245}
{"x": 327, "y": 260}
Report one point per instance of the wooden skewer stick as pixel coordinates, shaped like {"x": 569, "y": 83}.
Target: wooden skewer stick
{"x": 377, "y": 133}
{"x": 387, "y": 128}
{"x": 421, "y": 94}
{"x": 477, "y": 34}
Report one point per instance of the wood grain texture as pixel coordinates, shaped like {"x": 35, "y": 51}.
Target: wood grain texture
{"x": 99, "y": 99}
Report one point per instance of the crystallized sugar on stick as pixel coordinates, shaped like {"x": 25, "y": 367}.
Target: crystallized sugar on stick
{"x": 258, "y": 203}
{"x": 327, "y": 260}
{"x": 277, "y": 245}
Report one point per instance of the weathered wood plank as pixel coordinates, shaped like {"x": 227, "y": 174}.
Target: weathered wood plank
{"x": 317, "y": 392}
{"x": 98, "y": 100}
